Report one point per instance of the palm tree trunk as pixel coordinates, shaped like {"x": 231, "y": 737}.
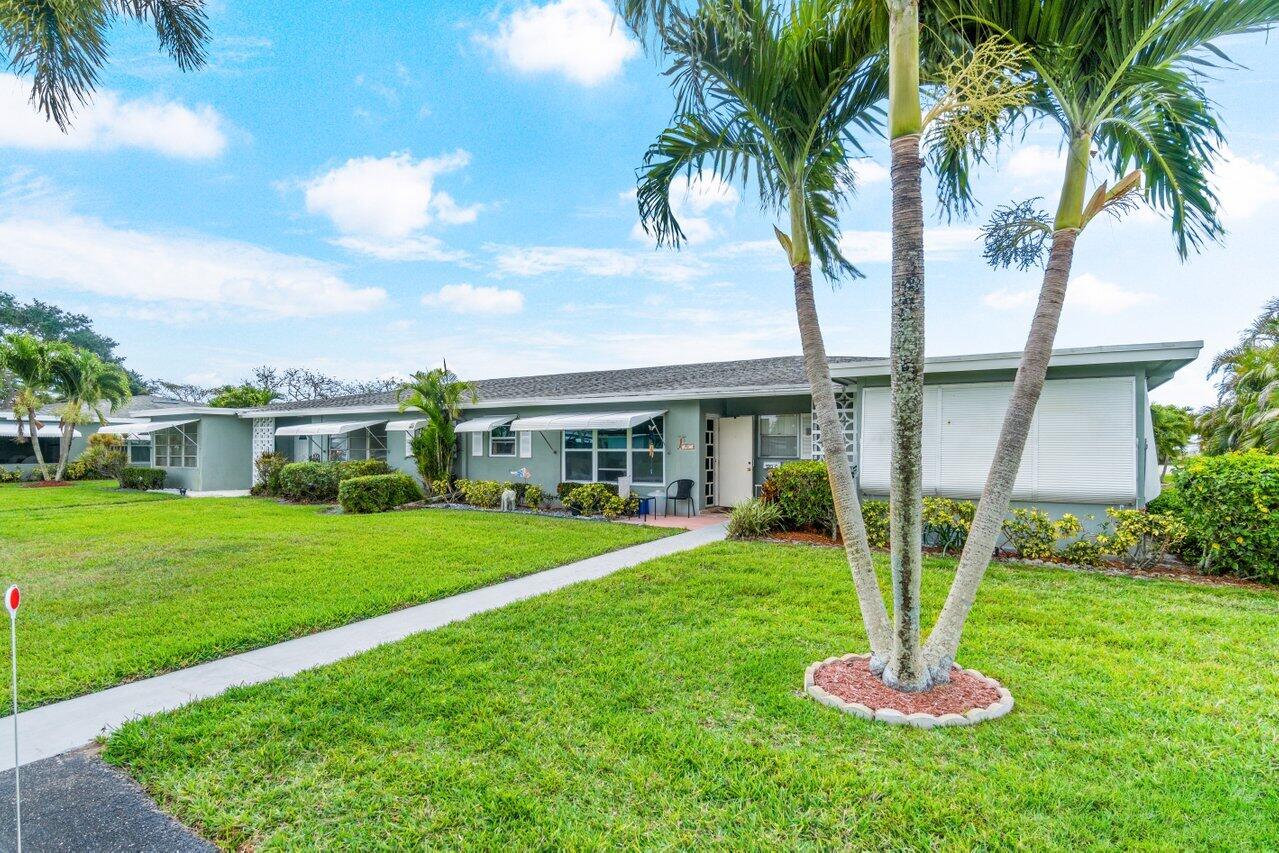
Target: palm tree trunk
{"x": 943, "y": 642}
{"x": 848, "y": 510}
{"x": 64, "y": 449}
{"x": 906, "y": 670}
{"x": 35, "y": 444}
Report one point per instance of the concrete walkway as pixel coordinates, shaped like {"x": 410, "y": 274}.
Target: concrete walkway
{"x": 54, "y": 729}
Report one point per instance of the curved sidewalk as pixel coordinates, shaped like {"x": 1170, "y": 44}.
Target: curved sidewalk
{"x": 54, "y": 729}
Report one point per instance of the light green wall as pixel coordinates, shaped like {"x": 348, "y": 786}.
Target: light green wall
{"x": 224, "y": 451}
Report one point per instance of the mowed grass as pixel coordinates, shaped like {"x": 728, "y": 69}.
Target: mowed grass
{"x": 661, "y": 708}
{"x": 17, "y": 498}
{"x": 115, "y": 591}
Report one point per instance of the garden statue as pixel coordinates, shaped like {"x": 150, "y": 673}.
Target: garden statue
{"x": 508, "y": 499}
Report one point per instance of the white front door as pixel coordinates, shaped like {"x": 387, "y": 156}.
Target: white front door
{"x": 735, "y": 460}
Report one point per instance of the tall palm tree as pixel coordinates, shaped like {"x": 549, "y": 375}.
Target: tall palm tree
{"x": 30, "y": 361}
{"x": 778, "y": 97}
{"x": 1123, "y": 80}
{"x": 84, "y": 384}
{"x": 439, "y": 395}
{"x": 1247, "y": 412}
{"x": 62, "y": 45}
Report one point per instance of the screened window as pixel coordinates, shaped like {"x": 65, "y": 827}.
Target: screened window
{"x": 139, "y": 453}
{"x": 176, "y": 447}
{"x": 14, "y": 452}
{"x": 607, "y": 455}
{"x": 779, "y": 436}
{"x": 501, "y": 441}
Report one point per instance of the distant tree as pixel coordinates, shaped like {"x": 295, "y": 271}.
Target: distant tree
{"x": 51, "y": 323}
{"x": 61, "y": 45}
{"x": 438, "y": 394}
{"x": 84, "y": 384}
{"x": 245, "y": 396}
{"x": 1173, "y": 427}
{"x": 29, "y": 361}
{"x": 1247, "y": 412}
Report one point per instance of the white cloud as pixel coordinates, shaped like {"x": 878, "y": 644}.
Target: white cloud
{"x": 1085, "y": 291}
{"x": 1036, "y": 161}
{"x": 1244, "y": 185}
{"x": 876, "y": 247}
{"x": 177, "y": 273}
{"x": 111, "y": 121}
{"x": 468, "y": 299}
{"x": 691, "y": 201}
{"x": 869, "y": 172}
{"x": 382, "y": 204}
{"x": 580, "y": 39}
{"x": 600, "y": 263}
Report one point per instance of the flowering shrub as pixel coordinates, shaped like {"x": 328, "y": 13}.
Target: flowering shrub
{"x": 1142, "y": 538}
{"x": 1033, "y": 535}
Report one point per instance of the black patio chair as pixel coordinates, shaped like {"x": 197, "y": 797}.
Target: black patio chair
{"x": 683, "y": 492}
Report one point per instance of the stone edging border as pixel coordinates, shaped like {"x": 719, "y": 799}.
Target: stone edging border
{"x": 918, "y": 720}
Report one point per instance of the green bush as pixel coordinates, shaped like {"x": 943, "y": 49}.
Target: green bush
{"x": 947, "y": 522}
{"x": 753, "y": 519}
{"x": 1033, "y": 535}
{"x": 1142, "y": 538}
{"x": 801, "y": 492}
{"x": 142, "y": 478}
{"x": 875, "y": 516}
{"x": 616, "y": 506}
{"x": 1168, "y": 502}
{"x": 269, "y": 466}
{"x": 562, "y": 489}
{"x": 377, "y": 492}
{"x": 533, "y": 496}
{"x": 590, "y": 498}
{"x": 481, "y": 493}
{"x": 1230, "y": 507}
{"x": 10, "y": 475}
{"x": 361, "y": 468}
{"x": 309, "y": 482}
{"x": 1086, "y": 551}
{"x": 103, "y": 459}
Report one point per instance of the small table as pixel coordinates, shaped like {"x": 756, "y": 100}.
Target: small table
{"x": 648, "y": 505}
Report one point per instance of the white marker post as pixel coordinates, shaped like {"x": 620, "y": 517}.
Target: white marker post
{"x": 12, "y": 598}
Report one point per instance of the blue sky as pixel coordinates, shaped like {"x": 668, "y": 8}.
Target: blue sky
{"x": 369, "y": 187}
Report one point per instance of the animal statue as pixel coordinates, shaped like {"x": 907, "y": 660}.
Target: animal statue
{"x": 508, "y": 500}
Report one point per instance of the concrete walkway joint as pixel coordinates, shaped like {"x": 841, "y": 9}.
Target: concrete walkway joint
{"x": 54, "y": 729}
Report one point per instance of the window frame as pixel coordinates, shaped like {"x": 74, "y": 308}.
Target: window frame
{"x": 798, "y": 435}
{"x": 629, "y": 449}
{"x": 185, "y": 433}
{"x": 507, "y": 436}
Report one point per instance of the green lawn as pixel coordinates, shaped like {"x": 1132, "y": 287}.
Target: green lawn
{"x": 15, "y": 498}
{"x": 119, "y": 588}
{"x": 661, "y": 708}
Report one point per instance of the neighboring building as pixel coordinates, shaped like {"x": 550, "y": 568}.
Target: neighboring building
{"x": 20, "y": 455}
{"x": 724, "y": 425}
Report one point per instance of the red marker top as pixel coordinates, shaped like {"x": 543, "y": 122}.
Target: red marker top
{"x": 12, "y": 598}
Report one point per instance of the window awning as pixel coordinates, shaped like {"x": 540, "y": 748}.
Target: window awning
{"x": 483, "y": 424}
{"x": 10, "y": 430}
{"x": 332, "y": 428}
{"x": 406, "y": 426}
{"x": 140, "y": 429}
{"x": 585, "y": 420}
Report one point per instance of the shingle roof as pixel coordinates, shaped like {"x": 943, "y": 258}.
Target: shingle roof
{"x": 778, "y": 372}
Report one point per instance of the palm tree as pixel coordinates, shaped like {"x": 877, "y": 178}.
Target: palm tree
{"x": 30, "y": 362}
{"x": 1173, "y": 426}
{"x": 62, "y": 45}
{"x": 84, "y": 383}
{"x": 1122, "y": 78}
{"x": 778, "y": 97}
{"x": 439, "y": 395}
{"x": 1247, "y": 412}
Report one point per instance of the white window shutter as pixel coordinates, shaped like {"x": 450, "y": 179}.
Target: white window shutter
{"x": 805, "y": 436}
{"x": 526, "y": 444}
{"x": 876, "y": 440}
{"x": 477, "y": 443}
{"x": 1087, "y": 441}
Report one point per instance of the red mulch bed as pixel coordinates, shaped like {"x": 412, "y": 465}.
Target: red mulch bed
{"x": 47, "y": 484}
{"x": 852, "y": 681}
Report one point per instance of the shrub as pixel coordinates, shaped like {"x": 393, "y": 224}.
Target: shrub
{"x": 361, "y": 468}
{"x": 103, "y": 459}
{"x": 1033, "y": 535}
{"x": 142, "y": 478}
{"x": 1230, "y": 507}
{"x": 562, "y": 489}
{"x": 875, "y": 516}
{"x": 10, "y": 475}
{"x": 1086, "y": 551}
{"x": 269, "y": 466}
{"x": 802, "y": 493}
{"x": 481, "y": 493}
{"x": 1142, "y": 538}
{"x": 947, "y": 522}
{"x": 1168, "y": 502}
{"x": 377, "y": 492}
{"x": 590, "y": 498}
{"x": 533, "y": 496}
{"x": 616, "y": 506}
{"x": 442, "y": 487}
{"x": 309, "y": 482}
{"x": 753, "y": 519}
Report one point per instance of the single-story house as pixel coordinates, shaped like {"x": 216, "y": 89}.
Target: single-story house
{"x": 19, "y": 455}
{"x": 723, "y": 425}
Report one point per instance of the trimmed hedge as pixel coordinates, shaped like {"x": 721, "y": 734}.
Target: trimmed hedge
{"x": 377, "y": 492}
{"x": 486, "y": 494}
{"x": 142, "y": 478}
{"x": 802, "y": 493}
{"x": 1230, "y": 506}
{"x": 317, "y": 482}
